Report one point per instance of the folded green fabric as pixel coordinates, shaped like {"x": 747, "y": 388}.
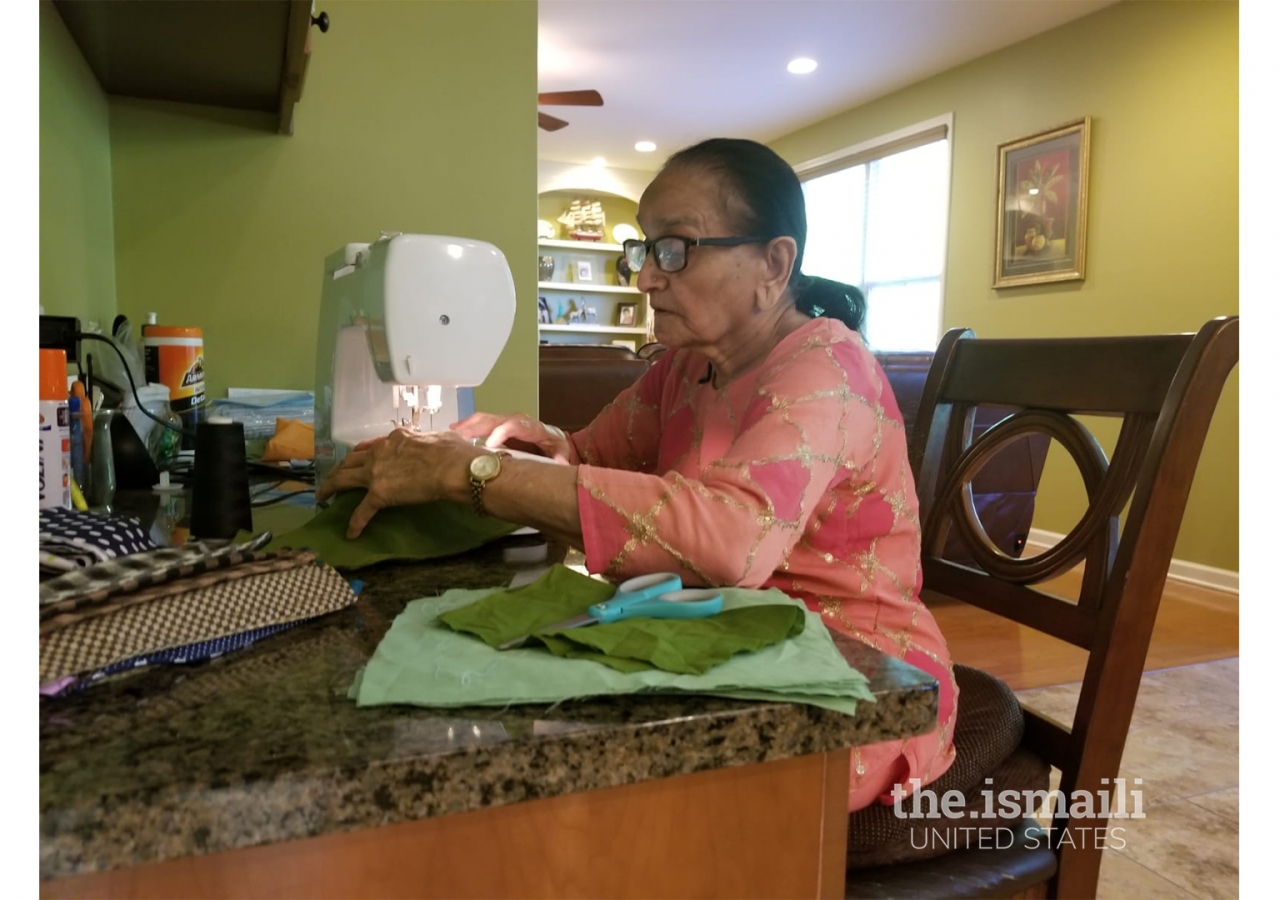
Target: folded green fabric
{"x": 400, "y": 532}
{"x": 423, "y": 662}
{"x": 503, "y": 615}
{"x": 689, "y": 646}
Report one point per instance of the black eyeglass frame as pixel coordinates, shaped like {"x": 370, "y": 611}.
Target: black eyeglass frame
{"x": 688, "y": 242}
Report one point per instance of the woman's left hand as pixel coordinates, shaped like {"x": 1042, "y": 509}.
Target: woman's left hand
{"x": 404, "y": 468}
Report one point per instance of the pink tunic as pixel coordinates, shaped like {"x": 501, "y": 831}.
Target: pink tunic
{"x": 792, "y": 476}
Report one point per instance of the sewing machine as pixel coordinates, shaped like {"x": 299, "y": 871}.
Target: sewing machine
{"x": 408, "y": 325}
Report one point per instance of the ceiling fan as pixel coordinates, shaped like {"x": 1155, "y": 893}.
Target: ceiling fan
{"x": 564, "y": 98}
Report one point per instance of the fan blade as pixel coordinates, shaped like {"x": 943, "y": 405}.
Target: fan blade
{"x": 550, "y": 123}
{"x": 571, "y": 98}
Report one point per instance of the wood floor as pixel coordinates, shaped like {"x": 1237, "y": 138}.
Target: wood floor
{"x": 1194, "y": 625}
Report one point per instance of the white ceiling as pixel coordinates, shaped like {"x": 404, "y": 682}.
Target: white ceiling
{"x": 677, "y": 71}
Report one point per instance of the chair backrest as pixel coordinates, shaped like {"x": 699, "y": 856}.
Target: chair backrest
{"x": 1165, "y": 388}
{"x": 577, "y": 381}
{"x": 585, "y": 351}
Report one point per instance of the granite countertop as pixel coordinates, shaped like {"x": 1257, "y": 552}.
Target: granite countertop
{"x": 264, "y": 745}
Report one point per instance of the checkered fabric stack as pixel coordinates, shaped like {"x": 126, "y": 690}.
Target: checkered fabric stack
{"x": 177, "y": 604}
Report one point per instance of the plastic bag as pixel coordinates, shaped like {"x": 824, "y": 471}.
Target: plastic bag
{"x": 257, "y": 410}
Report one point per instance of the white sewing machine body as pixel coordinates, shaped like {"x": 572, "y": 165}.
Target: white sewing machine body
{"x": 408, "y": 326}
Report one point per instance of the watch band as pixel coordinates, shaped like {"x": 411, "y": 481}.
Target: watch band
{"x": 477, "y": 496}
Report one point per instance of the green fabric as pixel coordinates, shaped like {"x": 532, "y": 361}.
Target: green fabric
{"x": 423, "y": 662}
{"x": 689, "y": 646}
{"x": 399, "y": 532}
{"x": 559, "y": 594}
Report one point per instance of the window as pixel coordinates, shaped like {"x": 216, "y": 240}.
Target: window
{"x": 878, "y": 219}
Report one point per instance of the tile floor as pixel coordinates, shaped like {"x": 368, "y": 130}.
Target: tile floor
{"x": 1188, "y": 844}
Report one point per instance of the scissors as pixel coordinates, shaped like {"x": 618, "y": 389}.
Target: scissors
{"x": 660, "y": 596}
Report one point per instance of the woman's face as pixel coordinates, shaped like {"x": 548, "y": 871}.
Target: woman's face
{"x": 714, "y": 298}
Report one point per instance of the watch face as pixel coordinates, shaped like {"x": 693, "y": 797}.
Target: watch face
{"x": 485, "y": 467}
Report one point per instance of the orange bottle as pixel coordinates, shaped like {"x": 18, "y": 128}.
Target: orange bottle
{"x": 175, "y": 358}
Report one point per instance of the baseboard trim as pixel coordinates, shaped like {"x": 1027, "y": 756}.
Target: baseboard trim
{"x": 1179, "y": 569}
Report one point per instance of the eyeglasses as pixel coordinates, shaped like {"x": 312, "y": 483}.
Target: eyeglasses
{"x": 672, "y": 251}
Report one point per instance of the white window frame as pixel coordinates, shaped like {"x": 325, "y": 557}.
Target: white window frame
{"x": 831, "y": 162}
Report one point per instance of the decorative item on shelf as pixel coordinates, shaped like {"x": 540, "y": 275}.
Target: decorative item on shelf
{"x": 584, "y": 220}
{"x": 582, "y": 272}
{"x": 567, "y": 315}
{"x": 623, "y": 270}
{"x": 1042, "y": 207}
{"x": 627, "y": 314}
{"x": 546, "y": 231}
{"x": 630, "y": 345}
{"x": 544, "y": 311}
{"x": 623, "y": 233}
{"x": 589, "y": 314}
{"x": 546, "y": 267}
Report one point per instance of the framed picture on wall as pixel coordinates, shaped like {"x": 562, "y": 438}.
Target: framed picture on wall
{"x": 1042, "y": 207}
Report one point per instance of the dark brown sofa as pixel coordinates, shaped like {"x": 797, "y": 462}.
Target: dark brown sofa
{"x": 576, "y": 381}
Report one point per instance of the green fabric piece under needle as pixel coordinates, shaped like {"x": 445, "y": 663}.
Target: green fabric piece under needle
{"x": 410, "y": 533}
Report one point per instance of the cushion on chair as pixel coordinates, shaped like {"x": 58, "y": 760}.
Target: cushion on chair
{"x": 987, "y": 733}
{"x": 964, "y": 873}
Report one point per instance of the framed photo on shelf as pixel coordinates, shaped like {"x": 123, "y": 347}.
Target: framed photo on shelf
{"x": 1042, "y": 206}
{"x": 627, "y": 314}
{"x": 582, "y": 271}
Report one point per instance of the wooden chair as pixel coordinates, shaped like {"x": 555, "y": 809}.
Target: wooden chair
{"x": 1165, "y": 388}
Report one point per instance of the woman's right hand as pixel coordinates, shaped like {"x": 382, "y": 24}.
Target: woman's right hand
{"x": 497, "y": 430}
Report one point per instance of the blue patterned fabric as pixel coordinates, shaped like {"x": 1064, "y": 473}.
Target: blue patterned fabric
{"x": 189, "y": 654}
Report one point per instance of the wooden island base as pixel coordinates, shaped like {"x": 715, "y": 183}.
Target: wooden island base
{"x": 774, "y": 829}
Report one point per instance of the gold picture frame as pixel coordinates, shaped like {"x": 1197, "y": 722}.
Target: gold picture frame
{"x": 1042, "y": 206}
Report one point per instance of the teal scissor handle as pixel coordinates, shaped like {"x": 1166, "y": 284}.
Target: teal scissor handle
{"x": 646, "y": 587}
{"x": 680, "y": 604}
{"x": 635, "y": 590}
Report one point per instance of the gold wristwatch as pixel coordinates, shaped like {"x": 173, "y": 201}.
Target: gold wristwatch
{"x": 481, "y": 470}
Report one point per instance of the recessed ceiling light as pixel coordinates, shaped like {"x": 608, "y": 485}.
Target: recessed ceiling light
{"x": 646, "y": 146}
{"x": 598, "y": 161}
{"x": 801, "y": 66}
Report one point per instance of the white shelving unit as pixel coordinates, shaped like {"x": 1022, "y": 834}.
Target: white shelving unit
{"x": 565, "y": 251}
{"x": 607, "y": 329}
{"x": 580, "y": 245}
{"x": 586, "y": 287}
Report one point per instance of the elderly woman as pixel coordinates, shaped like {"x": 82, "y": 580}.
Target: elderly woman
{"x": 763, "y": 450}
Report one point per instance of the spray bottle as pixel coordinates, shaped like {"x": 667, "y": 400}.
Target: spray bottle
{"x": 55, "y": 436}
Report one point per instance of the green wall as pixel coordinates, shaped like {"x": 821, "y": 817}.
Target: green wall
{"x": 415, "y": 117}
{"x": 77, "y": 253}
{"x": 1160, "y": 80}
